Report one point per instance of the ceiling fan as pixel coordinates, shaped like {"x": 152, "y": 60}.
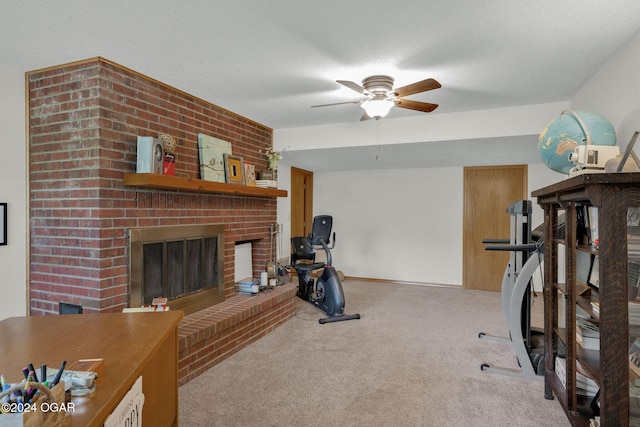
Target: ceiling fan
{"x": 381, "y": 97}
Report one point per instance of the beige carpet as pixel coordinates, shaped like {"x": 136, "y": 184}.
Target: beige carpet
{"x": 413, "y": 359}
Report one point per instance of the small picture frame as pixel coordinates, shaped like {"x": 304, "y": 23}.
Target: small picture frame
{"x": 233, "y": 169}
{"x": 267, "y": 175}
{"x": 250, "y": 174}
{"x": 3, "y": 224}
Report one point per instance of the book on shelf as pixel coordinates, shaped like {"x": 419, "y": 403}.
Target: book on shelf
{"x": 595, "y": 308}
{"x": 592, "y": 212}
{"x": 594, "y": 272}
{"x": 266, "y": 183}
{"x": 633, "y": 235}
{"x": 634, "y": 312}
{"x": 634, "y": 402}
{"x": 585, "y": 385}
{"x": 561, "y": 370}
{"x": 583, "y": 236}
{"x": 587, "y": 334}
{"x": 633, "y": 270}
{"x": 633, "y": 247}
{"x": 634, "y": 362}
{"x": 248, "y": 286}
{"x": 633, "y": 217}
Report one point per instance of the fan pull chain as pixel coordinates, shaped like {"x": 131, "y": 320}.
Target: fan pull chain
{"x": 378, "y": 137}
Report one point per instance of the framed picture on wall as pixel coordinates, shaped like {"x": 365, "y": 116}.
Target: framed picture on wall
{"x": 3, "y": 223}
{"x": 233, "y": 169}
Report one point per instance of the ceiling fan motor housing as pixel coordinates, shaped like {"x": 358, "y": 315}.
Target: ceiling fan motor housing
{"x": 378, "y": 85}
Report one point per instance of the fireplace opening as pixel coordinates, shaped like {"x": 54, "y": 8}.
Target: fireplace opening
{"x": 184, "y": 264}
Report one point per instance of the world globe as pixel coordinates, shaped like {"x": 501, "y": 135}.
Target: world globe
{"x": 572, "y": 128}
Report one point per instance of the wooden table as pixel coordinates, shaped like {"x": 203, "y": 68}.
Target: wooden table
{"x": 131, "y": 344}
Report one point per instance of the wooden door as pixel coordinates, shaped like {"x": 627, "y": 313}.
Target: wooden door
{"x": 487, "y": 193}
{"x": 301, "y": 202}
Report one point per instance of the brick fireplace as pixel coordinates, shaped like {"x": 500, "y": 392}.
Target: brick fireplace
{"x": 84, "y": 119}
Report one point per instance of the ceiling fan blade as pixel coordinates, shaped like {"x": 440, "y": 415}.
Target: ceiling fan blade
{"x": 352, "y": 86}
{"x": 338, "y": 103}
{"x": 421, "y": 86}
{"x": 425, "y": 107}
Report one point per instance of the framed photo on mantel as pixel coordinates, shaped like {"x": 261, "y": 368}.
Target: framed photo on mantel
{"x": 267, "y": 175}
{"x": 212, "y": 151}
{"x": 233, "y": 169}
{"x": 250, "y": 174}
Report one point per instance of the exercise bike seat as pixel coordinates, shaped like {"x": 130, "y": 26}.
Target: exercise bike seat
{"x": 301, "y": 266}
{"x": 303, "y": 251}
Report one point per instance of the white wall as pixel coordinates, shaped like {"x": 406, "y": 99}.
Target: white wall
{"x": 13, "y": 257}
{"x": 399, "y": 224}
{"x": 614, "y": 92}
{"x": 402, "y": 224}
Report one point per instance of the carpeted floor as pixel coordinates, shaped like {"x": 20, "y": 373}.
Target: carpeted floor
{"x": 413, "y": 359}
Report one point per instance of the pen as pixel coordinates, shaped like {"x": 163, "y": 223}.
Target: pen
{"x": 27, "y": 387}
{"x": 43, "y": 373}
{"x": 59, "y": 374}
{"x": 32, "y": 370}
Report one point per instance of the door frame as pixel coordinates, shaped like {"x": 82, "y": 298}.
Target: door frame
{"x": 306, "y": 203}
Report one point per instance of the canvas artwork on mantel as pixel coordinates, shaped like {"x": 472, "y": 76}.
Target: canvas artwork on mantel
{"x": 212, "y": 151}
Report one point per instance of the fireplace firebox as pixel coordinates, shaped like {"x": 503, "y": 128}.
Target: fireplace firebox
{"x": 184, "y": 264}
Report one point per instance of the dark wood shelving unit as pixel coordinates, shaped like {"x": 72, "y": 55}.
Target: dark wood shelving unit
{"x": 168, "y": 182}
{"x": 613, "y": 195}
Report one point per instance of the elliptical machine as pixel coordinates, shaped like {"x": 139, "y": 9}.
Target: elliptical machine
{"x": 525, "y": 259}
{"x": 327, "y": 292}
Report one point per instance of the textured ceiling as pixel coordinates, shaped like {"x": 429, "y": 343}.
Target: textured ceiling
{"x": 271, "y": 60}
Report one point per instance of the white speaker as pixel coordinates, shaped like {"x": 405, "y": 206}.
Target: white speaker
{"x": 150, "y": 155}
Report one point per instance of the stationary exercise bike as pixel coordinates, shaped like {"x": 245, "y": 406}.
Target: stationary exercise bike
{"x": 326, "y": 293}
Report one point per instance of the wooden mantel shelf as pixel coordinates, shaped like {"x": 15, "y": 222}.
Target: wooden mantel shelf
{"x": 167, "y": 182}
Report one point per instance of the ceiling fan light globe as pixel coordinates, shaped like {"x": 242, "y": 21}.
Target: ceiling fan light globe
{"x": 377, "y": 108}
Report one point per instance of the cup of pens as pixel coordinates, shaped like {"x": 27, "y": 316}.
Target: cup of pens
{"x": 34, "y": 401}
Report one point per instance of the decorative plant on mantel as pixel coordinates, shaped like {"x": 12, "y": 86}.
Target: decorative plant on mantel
{"x": 169, "y": 145}
{"x": 273, "y": 157}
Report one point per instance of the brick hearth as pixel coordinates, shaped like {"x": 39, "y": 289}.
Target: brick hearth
{"x": 84, "y": 120}
{"x": 211, "y": 335}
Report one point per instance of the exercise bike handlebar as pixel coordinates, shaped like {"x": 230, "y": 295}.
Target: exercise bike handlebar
{"x": 327, "y": 249}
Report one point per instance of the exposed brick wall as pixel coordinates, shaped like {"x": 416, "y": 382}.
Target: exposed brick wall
{"x": 84, "y": 119}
